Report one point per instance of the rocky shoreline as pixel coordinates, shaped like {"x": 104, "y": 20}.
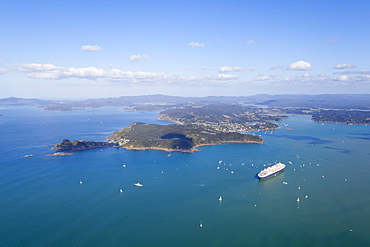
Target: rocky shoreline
{"x": 168, "y": 138}
{"x": 58, "y": 154}
{"x": 193, "y": 150}
{"x": 174, "y": 137}
{"x": 67, "y": 145}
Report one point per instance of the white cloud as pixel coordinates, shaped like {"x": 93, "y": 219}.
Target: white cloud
{"x": 206, "y": 68}
{"x": 344, "y": 66}
{"x": 113, "y": 75}
{"x": 362, "y": 78}
{"x": 2, "y": 71}
{"x": 300, "y": 65}
{"x": 135, "y": 58}
{"x": 196, "y": 44}
{"x": 91, "y": 48}
{"x": 263, "y": 78}
{"x": 50, "y": 71}
{"x": 341, "y": 78}
{"x": 226, "y": 77}
{"x": 249, "y": 42}
{"x": 31, "y": 67}
{"x": 299, "y": 80}
{"x": 277, "y": 67}
{"x": 359, "y": 72}
{"x": 226, "y": 69}
{"x": 307, "y": 75}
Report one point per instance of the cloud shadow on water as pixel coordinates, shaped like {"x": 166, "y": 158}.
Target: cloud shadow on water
{"x": 341, "y": 150}
{"x": 311, "y": 139}
{"x": 362, "y": 136}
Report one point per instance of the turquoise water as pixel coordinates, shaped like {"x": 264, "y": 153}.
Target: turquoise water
{"x": 43, "y": 203}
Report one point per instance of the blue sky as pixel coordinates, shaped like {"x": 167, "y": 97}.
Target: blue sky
{"x": 92, "y": 49}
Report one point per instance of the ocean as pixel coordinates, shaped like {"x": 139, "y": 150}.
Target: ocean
{"x": 76, "y": 200}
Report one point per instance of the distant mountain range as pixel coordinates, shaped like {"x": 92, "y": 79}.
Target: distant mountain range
{"x": 162, "y": 102}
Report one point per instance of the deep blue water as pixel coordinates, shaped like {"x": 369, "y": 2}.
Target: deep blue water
{"x": 42, "y": 202}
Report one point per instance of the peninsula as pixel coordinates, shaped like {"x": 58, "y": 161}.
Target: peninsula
{"x": 195, "y": 126}
{"x": 349, "y": 117}
{"x": 174, "y": 137}
{"x": 224, "y": 117}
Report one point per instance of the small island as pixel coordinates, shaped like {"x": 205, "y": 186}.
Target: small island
{"x": 67, "y": 145}
{"x": 58, "y": 154}
{"x": 174, "y": 137}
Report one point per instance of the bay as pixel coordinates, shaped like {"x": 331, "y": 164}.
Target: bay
{"x": 43, "y": 202}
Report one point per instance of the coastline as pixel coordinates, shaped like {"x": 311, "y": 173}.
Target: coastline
{"x": 67, "y": 145}
{"x": 165, "y": 117}
{"x": 194, "y": 149}
{"x": 58, "y": 154}
{"x": 348, "y": 123}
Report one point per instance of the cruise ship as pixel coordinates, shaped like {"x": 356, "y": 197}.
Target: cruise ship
{"x": 271, "y": 171}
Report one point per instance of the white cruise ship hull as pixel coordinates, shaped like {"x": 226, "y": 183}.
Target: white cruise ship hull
{"x": 271, "y": 171}
{"x": 270, "y": 176}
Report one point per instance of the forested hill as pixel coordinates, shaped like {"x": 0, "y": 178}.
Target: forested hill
{"x": 175, "y": 137}
{"x": 342, "y": 116}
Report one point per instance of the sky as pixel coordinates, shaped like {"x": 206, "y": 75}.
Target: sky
{"x": 97, "y": 49}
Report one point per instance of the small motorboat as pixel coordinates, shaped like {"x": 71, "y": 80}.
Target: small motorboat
{"x": 138, "y": 185}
